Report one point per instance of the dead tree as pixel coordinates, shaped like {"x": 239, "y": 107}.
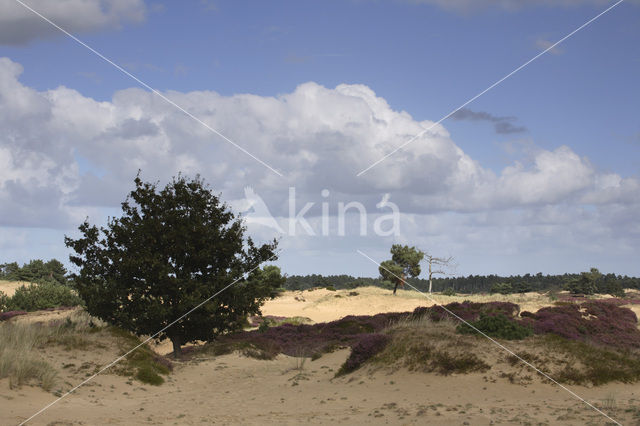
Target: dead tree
{"x": 439, "y": 263}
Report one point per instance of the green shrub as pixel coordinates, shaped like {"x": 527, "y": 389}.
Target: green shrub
{"x": 502, "y": 288}
{"x": 449, "y": 292}
{"x": 330, "y": 288}
{"x": 447, "y": 363}
{"x": 497, "y": 326}
{"x": 147, "y": 374}
{"x": 43, "y": 296}
{"x": 586, "y": 283}
{"x": 264, "y": 326}
{"x": 5, "y": 303}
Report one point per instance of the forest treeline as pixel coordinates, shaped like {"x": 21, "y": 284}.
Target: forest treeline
{"x": 604, "y": 283}
{"x": 54, "y": 271}
{"x": 36, "y": 271}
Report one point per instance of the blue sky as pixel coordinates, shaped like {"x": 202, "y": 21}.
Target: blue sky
{"x": 418, "y": 56}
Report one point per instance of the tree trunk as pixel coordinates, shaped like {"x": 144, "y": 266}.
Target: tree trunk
{"x": 430, "y": 282}
{"x": 177, "y": 347}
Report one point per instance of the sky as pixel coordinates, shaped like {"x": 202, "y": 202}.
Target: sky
{"x": 283, "y": 104}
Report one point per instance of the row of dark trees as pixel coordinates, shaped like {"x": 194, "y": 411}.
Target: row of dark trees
{"x": 36, "y": 271}
{"x": 604, "y": 283}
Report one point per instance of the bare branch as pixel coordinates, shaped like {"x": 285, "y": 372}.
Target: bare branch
{"x": 438, "y": 261}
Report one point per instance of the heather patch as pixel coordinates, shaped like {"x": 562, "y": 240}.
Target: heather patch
{"x": 314, "y": 338}
{"x": 8, "y": 315}
{"x": 430, "y": 339}
{"x": 468, "y": 311}
{"x": 365, "y": 349}
{"x": 600, "y": 322}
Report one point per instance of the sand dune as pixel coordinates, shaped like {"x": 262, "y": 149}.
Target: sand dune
{"x": 233, "y": 389}
{"x": 10, "y": 287}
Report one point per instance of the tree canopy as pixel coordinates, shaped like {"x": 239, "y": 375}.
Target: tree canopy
{"x": 405, "y": 262}
{"x": 171, "y": 250}
{"x": 36, "y": 271}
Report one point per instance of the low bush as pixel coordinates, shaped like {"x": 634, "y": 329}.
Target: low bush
{"x": 362, "y": 351}
{"x": 147, "y": 374}
{"x": 502, "y": 288}
{"x": 10, "y": 314}
{"x": 143, "y": 363}
{"x": 4, "y": 302}
{"x": 498, "y": 326}
{"x": 598, "y": 321}
{"x": 468, "y": 311}
{"x": 43, "y": 296}
{"x": 446, "y": 363}
{"x": 449, "y": 292}
{"x": 314, "y": 338}
{"x": 596, "y": 365}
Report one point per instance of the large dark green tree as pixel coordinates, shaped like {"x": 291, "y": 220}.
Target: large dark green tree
{"x": 169, "y": 251}
{"x": 405, "y": 262}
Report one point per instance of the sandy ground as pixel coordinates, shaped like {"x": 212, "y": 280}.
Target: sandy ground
{"x": 233, "y": 389}
{"x": 10, "y": 287}
{"x": 323, "y": 305}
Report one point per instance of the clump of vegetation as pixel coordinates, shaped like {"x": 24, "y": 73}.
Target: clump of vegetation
{"x": 10, "y": 314}
{"x": 498, "y": 326}
{"x": 421, "y": 344}
{"x": 594, "y": 282}
{"x": 599, "y": 321}
{"x": 36, "y": 271}
{"x": 316, "y": 339}
{"x": 143, "y": 363}
{"x": 147, "y": 374}
{"x": 22, "y": 341}
{"x": 41, "y": 296}
{"x": 446, "y": 363}
{"x": 18, "y": 355}
{"x": 4, "y": 302}
{"x": 449, "y": 292}
{"x": 468, "y": 311}
{"x": 362, "y": 351}
{"x": 273, "y": 321}
{"x": 596, "y": 365}
{"x": 330, "y": 288}
{"x": 502, "y": 288}
{"x": 586, "y": 283}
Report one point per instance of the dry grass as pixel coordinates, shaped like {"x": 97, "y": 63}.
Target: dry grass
{"x": 428, "y": 346}
{"x": 424, "y": 345}
{"x": 21, "y": 341}
{"x": 18, "y": 360}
